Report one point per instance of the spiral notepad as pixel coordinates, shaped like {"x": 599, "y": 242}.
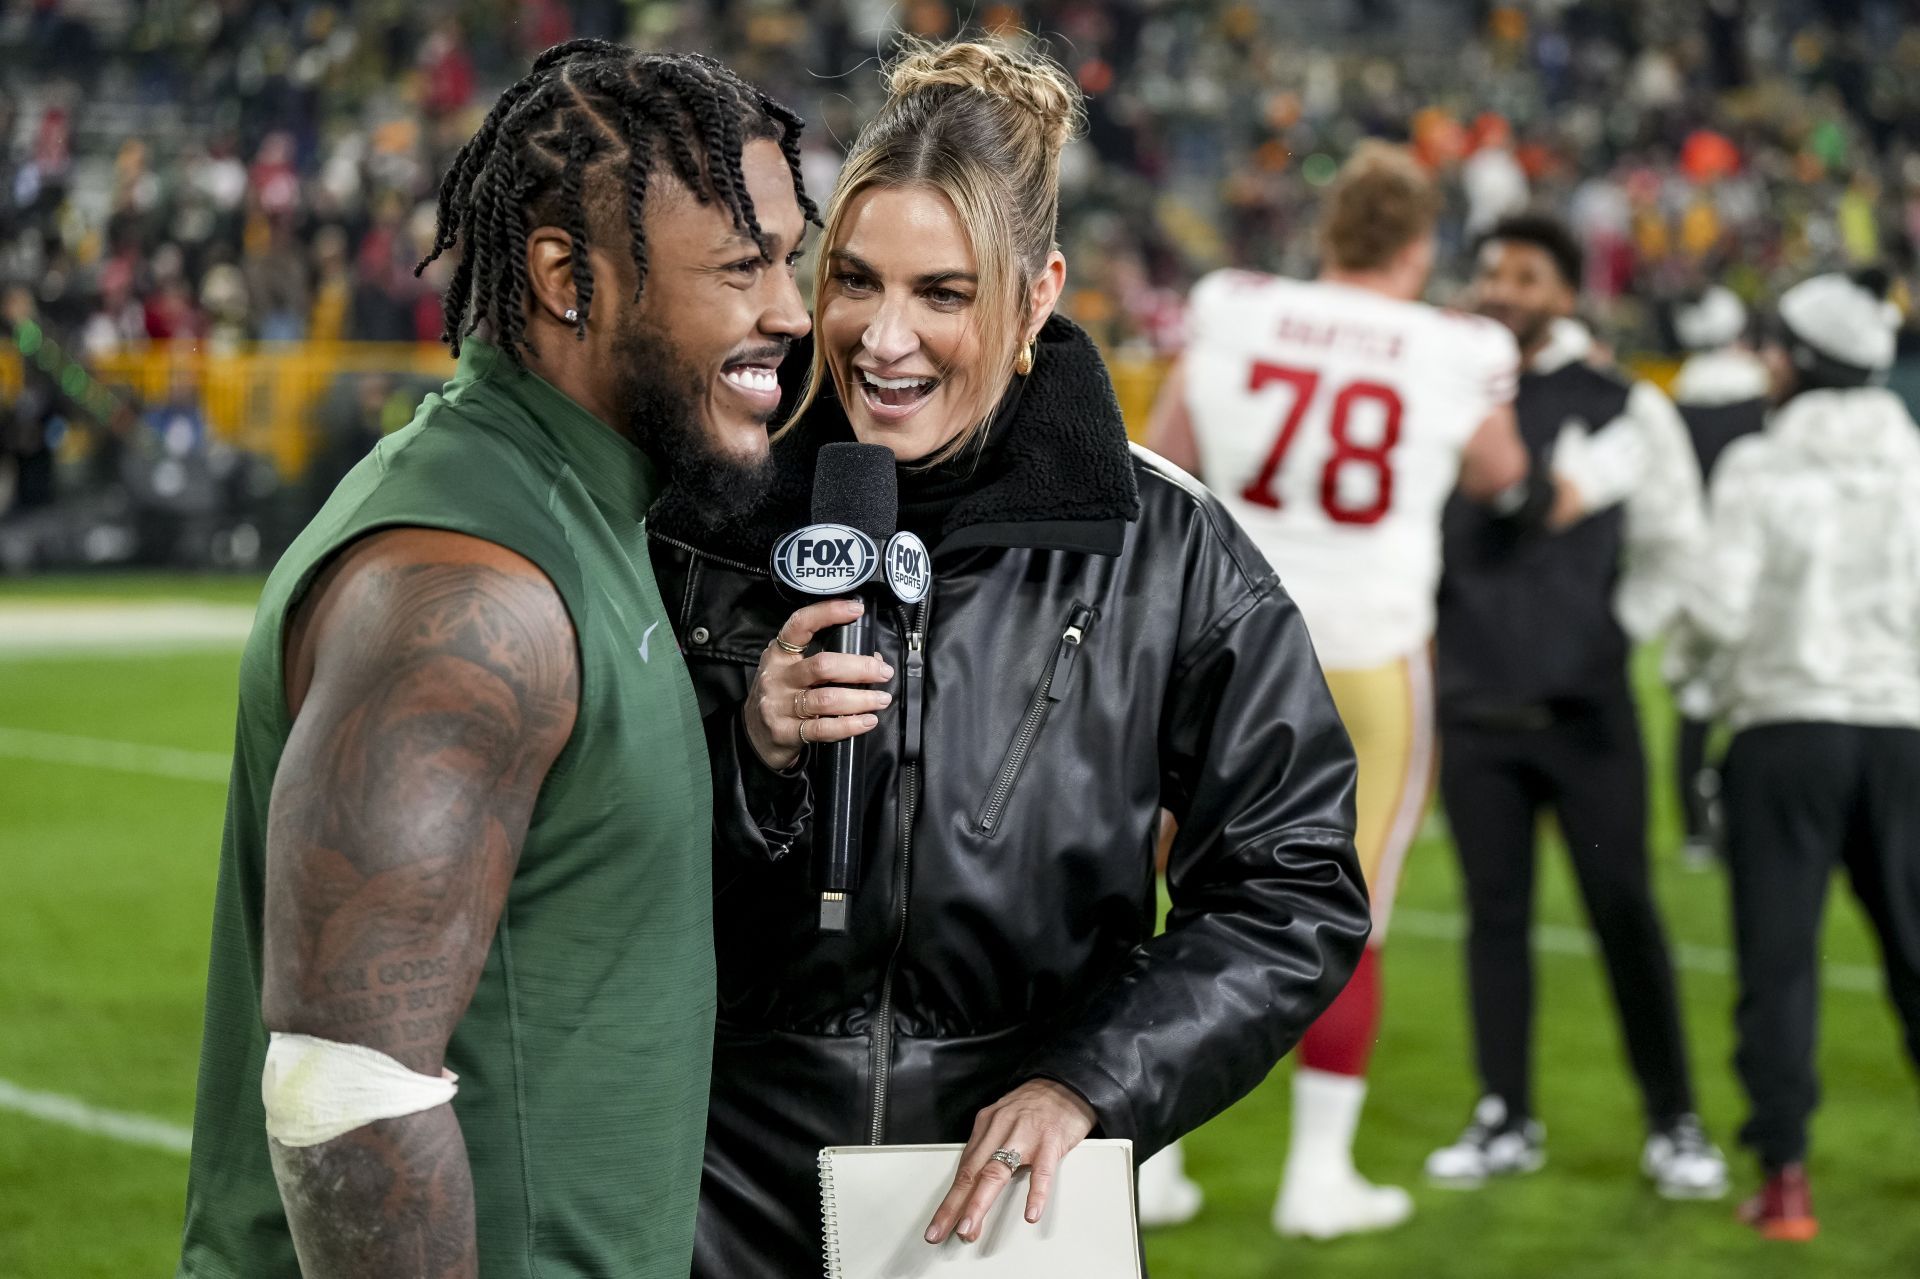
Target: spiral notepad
{"x": 877, "y": 1200}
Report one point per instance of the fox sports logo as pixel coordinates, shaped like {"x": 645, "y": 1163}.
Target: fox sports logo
{"x": 908, "y": 567}
{"x": 825, "y": 559}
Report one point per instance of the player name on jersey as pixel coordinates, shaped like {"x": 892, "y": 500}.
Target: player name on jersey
{"x": 1331, "y": 420}
{"x": 1362, "y": 342}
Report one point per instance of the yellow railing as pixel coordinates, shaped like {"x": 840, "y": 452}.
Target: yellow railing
{"x": 1136, "y": 382}
{"x": 266, "y": 398}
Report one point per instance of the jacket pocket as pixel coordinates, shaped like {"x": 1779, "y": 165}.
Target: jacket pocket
{"x": 1055, "y": 683}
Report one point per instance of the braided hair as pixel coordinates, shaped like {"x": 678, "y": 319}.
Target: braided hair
{"x": 591, "y": 125}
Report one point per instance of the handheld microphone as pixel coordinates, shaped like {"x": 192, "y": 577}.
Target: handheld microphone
{"x": 856, "y": 503}
{"x": 854, "y": 485}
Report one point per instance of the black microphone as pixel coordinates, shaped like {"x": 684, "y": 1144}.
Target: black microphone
{"x": 856, "y": 504}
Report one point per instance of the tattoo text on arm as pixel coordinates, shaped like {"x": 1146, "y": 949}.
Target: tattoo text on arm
{"x": 443, "y": 696}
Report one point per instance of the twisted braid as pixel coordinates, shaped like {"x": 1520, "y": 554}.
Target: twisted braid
{"x": 580, "y": 149}
{"x": 622, "y": 118}
{"x": 720, "y": 139}
{"x": 639, "y": 169}
{"x": 480, "y": 174}
{"x": 453, "y": 324}
{"x": 588, "y": 127}
{"x": 790, "y": 125}
{"x": 507, "y": 174}
{"x": 512, "y": 321}
{"x": 485, "y": 243}
{"x": 568, "y": 50}
{"x": 668, "y": 116}
{"x": 456, "y": 187}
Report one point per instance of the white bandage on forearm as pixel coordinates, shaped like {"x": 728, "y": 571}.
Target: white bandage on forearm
{"x": 316, "y": 1089}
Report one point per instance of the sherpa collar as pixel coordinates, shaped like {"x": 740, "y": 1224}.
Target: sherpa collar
{"x": 1064, "y": 478}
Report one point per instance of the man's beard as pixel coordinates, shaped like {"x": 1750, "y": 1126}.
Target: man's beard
{"x": 1529, "y": 328}
{"x": 662, "y": 393}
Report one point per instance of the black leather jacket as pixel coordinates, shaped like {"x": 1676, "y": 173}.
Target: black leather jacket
{"x": 1102, "y": 641}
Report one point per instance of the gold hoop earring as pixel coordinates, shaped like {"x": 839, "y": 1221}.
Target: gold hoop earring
{"x": 1023, "y": 362}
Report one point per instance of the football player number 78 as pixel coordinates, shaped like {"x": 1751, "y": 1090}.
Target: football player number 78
{"x": 1377, "y": 456}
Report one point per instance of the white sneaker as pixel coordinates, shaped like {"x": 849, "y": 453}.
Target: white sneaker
{"x": 1329, "y": 1207}
{"x": 1167, "y": 1196}
{"x": 1489, "y": 1147}
{"x": 1683, "y": 1164}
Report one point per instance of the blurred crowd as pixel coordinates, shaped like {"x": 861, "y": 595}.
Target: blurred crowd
{"x": 229, "y": 171}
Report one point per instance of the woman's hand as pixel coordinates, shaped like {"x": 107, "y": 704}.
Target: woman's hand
{"x": 788, "y": 708}
{"x": 1040, "y": 1121}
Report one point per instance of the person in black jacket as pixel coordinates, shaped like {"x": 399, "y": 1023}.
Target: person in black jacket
{"x": 1537, "y": 714}
{"x": 1101, "y": 641}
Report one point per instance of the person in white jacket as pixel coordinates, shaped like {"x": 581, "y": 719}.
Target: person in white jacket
{"x": 1809, "y": 600}
{"x": 1723, "y": 392}
{"x": 1721, "y": 366}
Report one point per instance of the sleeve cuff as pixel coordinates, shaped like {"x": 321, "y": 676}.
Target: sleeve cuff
{"x": 1106, "y": 1096}
{"x": 777, "y": 801}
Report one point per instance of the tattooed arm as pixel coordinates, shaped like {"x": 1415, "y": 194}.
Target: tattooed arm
{"x": 433, "y": 678}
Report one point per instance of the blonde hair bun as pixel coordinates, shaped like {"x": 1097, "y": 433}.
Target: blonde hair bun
{"x": 1035, "y": 83}
{"x": 982, "y": 126}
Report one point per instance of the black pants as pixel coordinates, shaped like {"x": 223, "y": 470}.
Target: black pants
{"x": 1695, "y": 776}
{"x": 1801, "y": 799}
{"x": 1586, "y": 766}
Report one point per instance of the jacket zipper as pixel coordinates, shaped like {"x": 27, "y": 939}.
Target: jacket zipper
{"x": 1054, "y": 686}
{"x": 881, "y": 1040}
{"x": 708, "y": 555}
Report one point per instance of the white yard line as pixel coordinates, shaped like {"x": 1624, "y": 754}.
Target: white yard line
{"x": 1562, "y": 939}
{"x": 1550, "y": 939}
{"x": 70, "y": 1112}
{"x": 121, "y": 757}
{"x": 212, "y": 766}
{"x": 82, "y": 628}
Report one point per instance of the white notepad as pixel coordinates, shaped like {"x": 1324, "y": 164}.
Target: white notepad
{"x": 877, "y": 1201}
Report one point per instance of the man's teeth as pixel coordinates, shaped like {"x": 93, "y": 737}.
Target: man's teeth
{"x": 896, "y": 383}
{"x": 753, "y": 378}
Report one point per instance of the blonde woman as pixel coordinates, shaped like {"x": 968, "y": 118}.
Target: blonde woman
{"x": 1101, "y": 641}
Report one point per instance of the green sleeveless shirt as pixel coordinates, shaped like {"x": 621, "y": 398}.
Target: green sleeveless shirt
{"x": 584, "y": 1057}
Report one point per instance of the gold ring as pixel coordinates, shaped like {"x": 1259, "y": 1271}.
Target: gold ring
{"x": 800, "y": 705}
{"x": 803, "y": 732}
{"x": 795, "y": 649}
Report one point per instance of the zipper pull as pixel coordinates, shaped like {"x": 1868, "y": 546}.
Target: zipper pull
{"x": 915, "y": 690}
{"x": 1063, "y": 662}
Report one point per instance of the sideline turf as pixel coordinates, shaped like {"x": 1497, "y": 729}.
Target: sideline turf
{"x": 106, "y": 887}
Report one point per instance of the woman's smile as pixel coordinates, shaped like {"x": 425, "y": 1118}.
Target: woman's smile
{"x": 892, "y": 400}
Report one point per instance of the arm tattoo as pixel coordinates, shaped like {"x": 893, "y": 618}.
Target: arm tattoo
{"x": 444, "y": 692}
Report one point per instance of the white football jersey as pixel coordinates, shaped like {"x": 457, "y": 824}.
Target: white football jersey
{"x": 1331, "y": 419}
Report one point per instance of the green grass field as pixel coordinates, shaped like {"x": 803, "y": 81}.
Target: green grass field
{"x": 107, "y": 862}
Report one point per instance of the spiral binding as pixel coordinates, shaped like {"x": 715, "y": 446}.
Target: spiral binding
{"x": 830, "y": 1219}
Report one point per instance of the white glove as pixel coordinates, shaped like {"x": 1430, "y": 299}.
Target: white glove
{"x": 1604, "y": 467}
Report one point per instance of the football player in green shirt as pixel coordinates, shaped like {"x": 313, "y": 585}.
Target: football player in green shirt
{"x": 460, "y": 1005}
